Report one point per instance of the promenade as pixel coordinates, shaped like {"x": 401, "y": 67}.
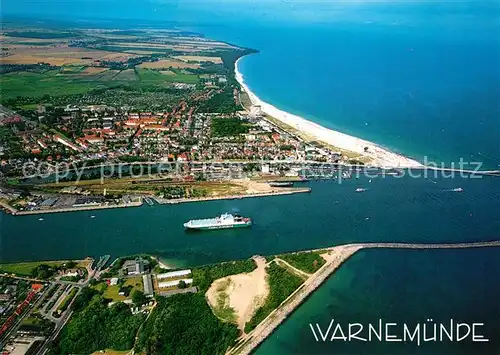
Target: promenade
{"x": 336, "y": 256}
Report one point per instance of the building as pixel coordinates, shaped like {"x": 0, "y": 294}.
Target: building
{"x": 174, "y": 274}
{"x": 148, "y": 285}
{"x": 135, "y": 267}
{"x": 174, "y": 283}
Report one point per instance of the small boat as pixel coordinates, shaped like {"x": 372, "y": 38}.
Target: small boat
{"x": 40, "y": 219}
{"x": 360, "y": 189}
{"x": 92, "y": 216}
{"x": 458, "y": 189}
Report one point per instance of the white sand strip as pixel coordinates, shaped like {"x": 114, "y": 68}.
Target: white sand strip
{"x": 379, "y": 156}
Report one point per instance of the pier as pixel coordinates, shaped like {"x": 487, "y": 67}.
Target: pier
{"x": 249, "y": 342}
{"x": 288, "y": 191}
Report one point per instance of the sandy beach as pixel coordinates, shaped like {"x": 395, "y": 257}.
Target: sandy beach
{"x": 378, "y": 156}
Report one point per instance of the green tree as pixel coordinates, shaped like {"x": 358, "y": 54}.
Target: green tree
{"x": 182, "y": 284}
{"x": 138, "y": 297}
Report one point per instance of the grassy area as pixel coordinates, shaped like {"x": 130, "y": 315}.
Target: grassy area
{"x": 133, "y": 185}
{"x": 154, "y": 77}
{"x": 25, "y": 269}
{"x": 39, "y": 84}
{"x": 111, "y": 292}
{"x": 40, "y": 34}
{"x": 309, "y": 262}
{"x": 67, "y": 300}
{"x": 222, "y": 309}
{"x": 67, "y": 81}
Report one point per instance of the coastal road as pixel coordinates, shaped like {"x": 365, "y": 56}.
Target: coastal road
{"x": 336, "y": 256}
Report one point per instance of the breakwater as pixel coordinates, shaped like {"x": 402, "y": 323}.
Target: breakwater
{"x": 339, "y": 254}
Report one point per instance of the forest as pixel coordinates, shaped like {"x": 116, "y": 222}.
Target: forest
{"x": 228, "y": 127}
{"x": 184, "y": 324}
{"x": 95, "y": 326}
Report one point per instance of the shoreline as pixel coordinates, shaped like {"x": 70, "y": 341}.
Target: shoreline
{"x": 15, "y": 212}
{"x": 234, "y": 197}
{"x": 380, "y": 157}
{"x": 7, "y": 209}
{"x": 337, "y": 255}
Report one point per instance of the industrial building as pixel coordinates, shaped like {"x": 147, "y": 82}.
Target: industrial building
{"x": 148, "y": 285}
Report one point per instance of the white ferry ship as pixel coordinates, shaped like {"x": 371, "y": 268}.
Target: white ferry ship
{"x": 225, "y": 220}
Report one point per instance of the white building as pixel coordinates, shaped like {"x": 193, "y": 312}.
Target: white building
{"x": 174, "y": 274}
{"x": 174, "y": 283}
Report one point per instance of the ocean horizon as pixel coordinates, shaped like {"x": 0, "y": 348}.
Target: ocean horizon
{"x": 419, "y": 78}
{"x": 426, "y": 90}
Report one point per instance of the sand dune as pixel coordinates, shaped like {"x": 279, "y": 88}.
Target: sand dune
{"x": 244, "y": 292}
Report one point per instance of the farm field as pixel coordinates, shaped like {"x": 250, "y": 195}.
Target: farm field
{"x": 37, "y": 62}
{"x": 168, "y": 63}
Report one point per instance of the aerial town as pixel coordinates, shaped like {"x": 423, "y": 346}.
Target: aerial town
{"x": 177, "y": 120}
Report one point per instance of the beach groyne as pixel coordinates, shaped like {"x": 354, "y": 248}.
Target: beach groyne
{"x": 339, "y": 254}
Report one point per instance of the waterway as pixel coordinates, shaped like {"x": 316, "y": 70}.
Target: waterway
{"x": 391, "y": 209}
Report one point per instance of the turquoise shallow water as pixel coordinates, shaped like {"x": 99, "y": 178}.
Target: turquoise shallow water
{"x": 403, "y": 287}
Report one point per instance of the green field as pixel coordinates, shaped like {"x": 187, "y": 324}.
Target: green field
{"x": 36, "y": 84}
{"x": 111, "y": 292}
{"x": 62, "y": 82}
{"x": 154, "y": 77}
{"x": 26, "y": 268}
